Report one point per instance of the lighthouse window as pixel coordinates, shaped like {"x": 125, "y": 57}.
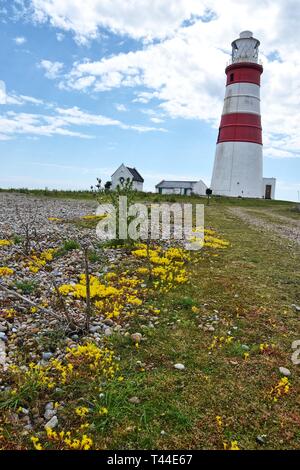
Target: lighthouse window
{"x": 232, "y": 77}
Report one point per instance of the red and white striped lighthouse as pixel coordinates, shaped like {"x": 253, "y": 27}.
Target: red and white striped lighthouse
{"x": 238, "y": 163}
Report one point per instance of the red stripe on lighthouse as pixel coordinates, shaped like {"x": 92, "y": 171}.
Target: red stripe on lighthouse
{"x": 244, "y": 72}
{"x": 240, "y": 127}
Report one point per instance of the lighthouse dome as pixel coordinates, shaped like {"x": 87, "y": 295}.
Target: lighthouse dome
{"x": 246, "y": 35}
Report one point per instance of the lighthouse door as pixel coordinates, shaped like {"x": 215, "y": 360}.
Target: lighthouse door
{"x": 268, "y": 191}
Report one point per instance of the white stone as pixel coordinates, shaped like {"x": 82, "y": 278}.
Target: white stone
{"x": 179, "y": 366}
{"x": 52, "y": 423}
{"x": 49, "y": 414}
{"x": 2, "y": 354}
{"x": 284, "y": 371}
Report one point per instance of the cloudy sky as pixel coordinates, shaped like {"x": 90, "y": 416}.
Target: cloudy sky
{"x": 88, "y": 84}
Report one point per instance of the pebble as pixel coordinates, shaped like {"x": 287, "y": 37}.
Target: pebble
{"x": 284, "y": 371}
{"x": 179, "y": 366}
{"x": 136, "y": 337}
{"x": 94, "y": 329}
{"x": 296, "y": 307}
{"x": 28, "y": 427}
{"x": 46, "y": 356}
{"x": 49, "y": 414}
{"x": 261, "y": 439}
{"x": 245, "y": 347}
{"x": 134, "y": 400}
{"x": 108, "y": 332}
{"x": 2, "y": 354}
{"x": 52, "y": 423}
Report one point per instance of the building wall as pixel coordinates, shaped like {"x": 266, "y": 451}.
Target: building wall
{"x": 137, "y": 185}
{"x": 123, "y": 172}
{"x": 272, "y": 183}
{"x": 181, "y": 191}
{"x": 200, "y": 188}
{"x": 238, "y": 169}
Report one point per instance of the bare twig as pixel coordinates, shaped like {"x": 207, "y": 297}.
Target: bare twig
{"x": 28, "y": 301}
{"x": 88, "y": 289}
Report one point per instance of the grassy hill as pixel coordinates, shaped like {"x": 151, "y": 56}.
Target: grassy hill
{"x": 231, "y": 324}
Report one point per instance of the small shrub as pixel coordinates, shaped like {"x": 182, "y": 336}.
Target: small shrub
{"x": 70, "y": 245}
{"x": 27, "y": 287}
{"x": 186, "y": 302}
{"x": 17, "y": 239}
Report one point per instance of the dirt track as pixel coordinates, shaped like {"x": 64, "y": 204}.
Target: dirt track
{"x": 285, "y": 227}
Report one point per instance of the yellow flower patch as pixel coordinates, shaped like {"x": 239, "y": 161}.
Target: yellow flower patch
{"x": 112, "y": 296}
{"x": 5, "y": 243}
{"x": 8, "y": 313}
{"x": 39, "y": 260}
{"x": 5, "y": 271}
{"x": 280, "y": 390}
{"x": 64, "y": 440}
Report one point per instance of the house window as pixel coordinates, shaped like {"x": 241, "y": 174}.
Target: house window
{"x": 232, "y": 77}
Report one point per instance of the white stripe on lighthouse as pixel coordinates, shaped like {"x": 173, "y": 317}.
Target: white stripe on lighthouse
{"x": 242, "y": 98}
{"x": 249, "y": 89}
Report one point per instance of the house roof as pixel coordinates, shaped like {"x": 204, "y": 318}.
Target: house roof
{"x": 135, "y": 174}
{"x": 176, "y": 184}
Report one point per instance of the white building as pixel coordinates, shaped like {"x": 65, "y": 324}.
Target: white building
{"x": 238, "y": 167}
{"x": 123, "y": 173}
{"x": 269, "y": 186}
{"x": 181, "y": 187}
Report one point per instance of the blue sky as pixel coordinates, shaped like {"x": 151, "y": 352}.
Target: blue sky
{"x": 83, "y": 89}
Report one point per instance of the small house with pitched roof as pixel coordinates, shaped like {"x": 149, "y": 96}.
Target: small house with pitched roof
{"x": 123, "y": 173}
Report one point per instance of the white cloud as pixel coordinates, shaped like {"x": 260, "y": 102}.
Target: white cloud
{"x": 136, "y": 18}
{"x": 62, "y": 121}
{"x": 60, "y": 37}
{"x": 120, "y": 107}
{"x": 14, "y": 99}
{"x": 156, "y": 120}
{"x": 183, "y": 75}
{"x": 182, "y": 72}
{"x": 52, "y": 69}
{"x": 2, "y": 92}
{"x": 20, "y": 40}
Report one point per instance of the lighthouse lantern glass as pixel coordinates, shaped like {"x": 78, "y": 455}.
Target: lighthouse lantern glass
{"x": 245, "y": 50}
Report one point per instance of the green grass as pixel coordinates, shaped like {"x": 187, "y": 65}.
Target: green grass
{"x": 154, "y": 197}
{"x": 256, "y": 298}
{"x": 68, "y": 245}
{"x": 250, "y": 287}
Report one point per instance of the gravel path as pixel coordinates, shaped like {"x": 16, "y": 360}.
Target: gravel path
{"x": 17, "y": 207}
{"x": 288, "y": 228}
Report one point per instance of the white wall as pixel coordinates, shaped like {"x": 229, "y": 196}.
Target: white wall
{"x": 238, "y": 170}
{"x": 137, "y": 185}
{"x": 123, "y": 172}
{"x": 271, "y": 182}
{"x": 200, "y": 188}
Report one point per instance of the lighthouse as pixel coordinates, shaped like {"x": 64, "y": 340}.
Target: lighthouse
{"x": 238, "y": 167}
